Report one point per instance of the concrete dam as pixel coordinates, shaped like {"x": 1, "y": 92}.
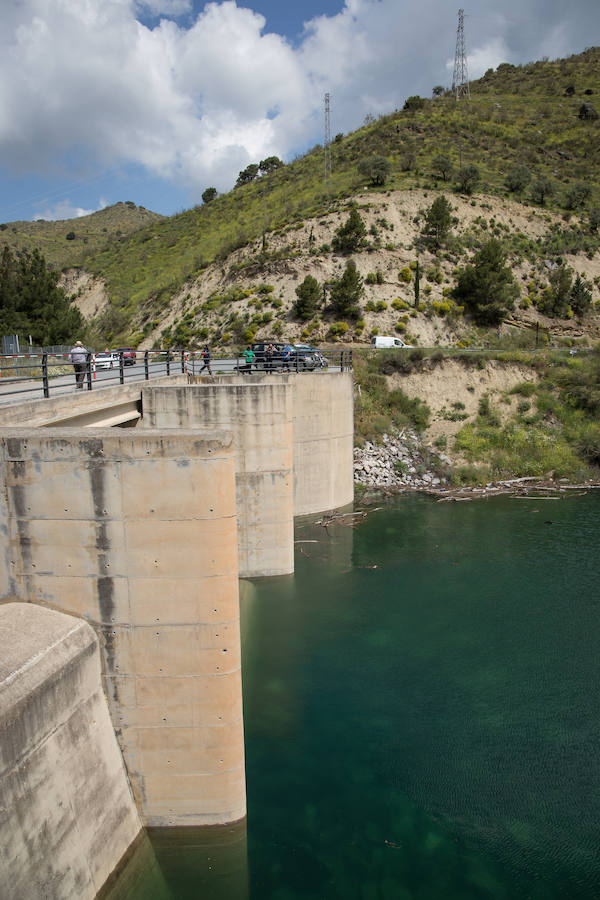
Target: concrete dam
{"x": 120, "y": 673}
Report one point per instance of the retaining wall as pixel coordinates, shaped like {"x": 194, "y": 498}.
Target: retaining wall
{"x": 68, "y": 815}
{"x": 136, "y": 531}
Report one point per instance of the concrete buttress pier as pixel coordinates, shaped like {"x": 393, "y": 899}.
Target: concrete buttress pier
{"x": 136, "y": 532}
{"x": 260, "y": 417}
{"x": 67, "y": 813}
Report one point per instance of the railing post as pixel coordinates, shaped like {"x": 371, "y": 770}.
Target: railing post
{"x": 146, "y": 367}
{"x": 45, "y": 375}
{"x": 183, "y": 362}
{"x": 350, "y": 360}
{"x": 121, "y": 368}
{"x": 88, "y": 369}
{"x": 168, "y": 362}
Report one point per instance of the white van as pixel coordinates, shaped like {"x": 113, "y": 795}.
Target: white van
{"x": 384, "y": 342}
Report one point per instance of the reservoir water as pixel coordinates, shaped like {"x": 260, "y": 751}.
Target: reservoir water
{"x": 422, "y": 714}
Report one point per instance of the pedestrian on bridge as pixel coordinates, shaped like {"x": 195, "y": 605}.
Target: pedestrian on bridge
{"x": 205, "y": 361}
{"x": 79, "y": 359}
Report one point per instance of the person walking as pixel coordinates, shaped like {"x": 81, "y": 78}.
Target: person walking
{"x": 249, "y": 358}
{"x": 205, "y": 361}
{"x": 78, "y": 356}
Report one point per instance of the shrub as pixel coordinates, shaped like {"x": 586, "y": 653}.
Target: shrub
{"x": 405, "y": 275}
{"x": 337, "y": 329}
{"x": 414, "y": 103}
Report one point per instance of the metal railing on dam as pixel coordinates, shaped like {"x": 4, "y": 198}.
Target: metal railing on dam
{"x": 45, "y": 375}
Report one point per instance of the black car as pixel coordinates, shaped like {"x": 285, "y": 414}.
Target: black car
{"x": 286, "y": 357}
{"x": 268, "y": 361}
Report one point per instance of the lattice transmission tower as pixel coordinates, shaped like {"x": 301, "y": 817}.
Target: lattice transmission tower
{"x": 327, "y": 142}
{"x": 460, "y": 78}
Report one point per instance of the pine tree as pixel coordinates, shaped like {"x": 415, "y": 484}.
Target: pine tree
{"x": 31, "y": 303}
{"x": 487, "y": 286}
{"x": 438, "y": 222}
{"x": 346, "y": 292}
{"x": 350, "y": 235}
{"x": 309, "y": 295}
{"x": 581, "y": 297}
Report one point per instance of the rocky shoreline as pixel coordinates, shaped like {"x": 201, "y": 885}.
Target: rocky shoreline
{"x": 403, "y": 463}
{"x": 400, "y": 461}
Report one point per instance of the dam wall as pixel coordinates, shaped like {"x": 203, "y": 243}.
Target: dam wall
{"x": 323, "y": 433}
{"x": 136, "y": 532}
{"x": 68, "y": 814}
{"x": 259, "y": 415}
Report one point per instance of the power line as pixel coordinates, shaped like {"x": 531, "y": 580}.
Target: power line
{"x": 460, "y": 78}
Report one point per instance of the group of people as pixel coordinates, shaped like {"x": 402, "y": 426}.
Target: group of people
{"x": 79, "y": 355}
{"x": 268, "y": 356}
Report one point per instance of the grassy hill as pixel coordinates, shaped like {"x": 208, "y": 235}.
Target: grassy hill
{"x": 70, "y": 242}
{"x": 197, "y": 275}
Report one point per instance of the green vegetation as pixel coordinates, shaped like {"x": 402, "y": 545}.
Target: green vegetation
{"x": 438, "y": 222}
{"x": 350, "y": 236}
{"x": 487, "y": 286}
{"x": 346, "y": 292}
{"x": 309, "y": 295}
{"x": 554, "y": 433}
{"x": 31, "y": 303}
{"x": 376, "y": 168}
{"x": 377, "y": 410}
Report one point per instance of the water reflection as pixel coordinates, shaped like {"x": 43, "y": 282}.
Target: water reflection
{"x": 186, "y": 864}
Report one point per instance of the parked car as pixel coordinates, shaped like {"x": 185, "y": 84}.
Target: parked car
{"x": 297, "y": 356}
{"x": 384, "y": 341}
{"x": 129, "y": 355}
{"x": 261, "y": 359}
{"x": 107, "y": 359}
{"x": 308, "y": 357}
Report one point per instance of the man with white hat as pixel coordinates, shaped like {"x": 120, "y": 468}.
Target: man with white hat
{"x": 79, "y": 358}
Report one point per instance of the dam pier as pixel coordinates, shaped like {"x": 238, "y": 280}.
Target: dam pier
{"x": 128, "y": 515}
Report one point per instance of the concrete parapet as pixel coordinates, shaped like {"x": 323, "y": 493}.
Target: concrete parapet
{"x": 259, "y": 414}
{"x": 68, "y": 815}
{"x": 136, "y": 531}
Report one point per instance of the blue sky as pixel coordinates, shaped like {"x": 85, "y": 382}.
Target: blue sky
{"x": 155, "y": 100}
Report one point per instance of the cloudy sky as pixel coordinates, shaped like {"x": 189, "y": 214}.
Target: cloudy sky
{"x": 155, "y": 100}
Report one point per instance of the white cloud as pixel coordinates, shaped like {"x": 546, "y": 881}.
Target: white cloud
{"x": 64, "y": 209}
{"x": 84, "y": 84}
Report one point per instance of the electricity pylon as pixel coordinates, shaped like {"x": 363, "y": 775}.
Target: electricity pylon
{"x": 460, "y": 78}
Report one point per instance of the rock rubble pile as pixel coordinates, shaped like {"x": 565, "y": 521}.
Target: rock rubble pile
{"x": 401, "y": 461}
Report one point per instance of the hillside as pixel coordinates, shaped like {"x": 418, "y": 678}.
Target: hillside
{"x": 228, "y": 270}
{"x": 481, "y": 417}
{"x": 69, "y": 242}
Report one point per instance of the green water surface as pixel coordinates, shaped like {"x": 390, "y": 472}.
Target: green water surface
{"x": 422, "y": 714}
